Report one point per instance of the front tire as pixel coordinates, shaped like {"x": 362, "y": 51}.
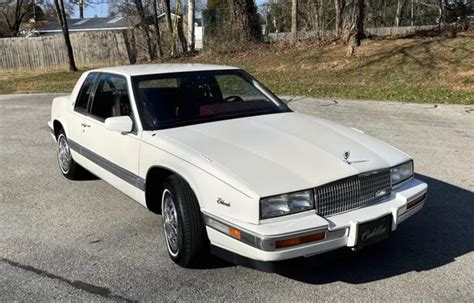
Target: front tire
{"x": 183, "y": 225}
{"x": 69, "y": 168}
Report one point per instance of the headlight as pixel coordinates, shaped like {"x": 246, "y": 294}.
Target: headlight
{"x": 401, "y": 173}
{"x": 286, "y": 204}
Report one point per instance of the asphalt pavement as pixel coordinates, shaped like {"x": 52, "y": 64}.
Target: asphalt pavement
{"x": 86, "y": 241}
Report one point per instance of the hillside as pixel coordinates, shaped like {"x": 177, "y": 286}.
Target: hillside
{"x": 435, "y": 70}
{"x": 414, "y": 70}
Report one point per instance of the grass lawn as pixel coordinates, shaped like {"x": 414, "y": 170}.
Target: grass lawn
{"x": 37, "y": 82}
{"x": 435, "y": 70}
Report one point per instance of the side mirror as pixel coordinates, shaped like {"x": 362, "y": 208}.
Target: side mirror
{"x": 123, "y": 124}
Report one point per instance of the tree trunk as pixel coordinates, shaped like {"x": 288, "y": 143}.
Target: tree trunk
{"x": 81, "y": 9}
{"x": 357, "y": 32}
{"x": 384, "y": 12}
{"x": 181, "y": 36}
{"x": 340, "y": 6}
{"x": 167, "y": 5}
{"x": 146, "y": 30}
{"x": 320, "y": 13}
{"x": 130, "y": 46}
{"x": 157, "y": 28}
{"x": 441, "y": 14}
{"x": 294, "y": 21}
{"x": 398, "y": 14}
{"x": 61, "y": 12}
{"x": 360, "y": 34}
{"x": 178, "y": 33}
{"x": 191, "y": 25}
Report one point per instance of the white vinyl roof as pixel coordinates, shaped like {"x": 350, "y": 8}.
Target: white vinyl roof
{"x": 149, "y": 69}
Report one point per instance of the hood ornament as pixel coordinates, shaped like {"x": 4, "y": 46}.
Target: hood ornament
{"x": 346, "y": 156}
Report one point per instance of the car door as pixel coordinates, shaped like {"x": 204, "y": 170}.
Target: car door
{"x": 115, "y": 154}
{"x": 76, "y": 119}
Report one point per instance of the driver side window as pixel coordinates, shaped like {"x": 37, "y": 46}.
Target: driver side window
{"x": 111, "y": 98}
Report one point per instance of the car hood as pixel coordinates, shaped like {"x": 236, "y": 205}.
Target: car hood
{"x": 278, "y": 153}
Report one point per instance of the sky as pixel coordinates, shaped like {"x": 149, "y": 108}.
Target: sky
{"x": 101, "y": 10}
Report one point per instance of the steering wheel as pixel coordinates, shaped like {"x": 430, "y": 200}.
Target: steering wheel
{"x": 233, "y": 99}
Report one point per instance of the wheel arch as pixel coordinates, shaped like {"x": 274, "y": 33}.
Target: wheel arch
{"x": 154, "y": 181}
{"x": 57, "y": 126}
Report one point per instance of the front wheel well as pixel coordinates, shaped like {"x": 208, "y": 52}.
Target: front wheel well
{"x": 155, "y": 179}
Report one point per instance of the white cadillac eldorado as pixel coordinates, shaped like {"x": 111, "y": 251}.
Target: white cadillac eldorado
{"x": 229, "y": 166}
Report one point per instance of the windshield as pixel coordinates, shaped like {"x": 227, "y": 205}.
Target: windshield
{"x": 178, "y": 99}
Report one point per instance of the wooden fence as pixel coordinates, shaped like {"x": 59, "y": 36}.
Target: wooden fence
{"x": 49, "y": 52}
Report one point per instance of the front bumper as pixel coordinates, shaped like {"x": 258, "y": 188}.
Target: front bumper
{"x": 257, "y": 242}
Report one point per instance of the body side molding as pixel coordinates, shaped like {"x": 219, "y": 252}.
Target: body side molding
{"x": 113, "y": 168}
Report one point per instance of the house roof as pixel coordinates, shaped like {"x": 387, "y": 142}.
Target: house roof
{"x": 97, "y": 24}
{"x": 90, "y": 24}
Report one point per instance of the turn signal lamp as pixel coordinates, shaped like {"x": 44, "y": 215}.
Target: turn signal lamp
{"x": 300, "y": 240}
{"x": 234, "y": 232}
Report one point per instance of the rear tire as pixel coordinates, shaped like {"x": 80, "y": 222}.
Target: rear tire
{"x": 69, "y": 168}
{"x": 183, "y": 225}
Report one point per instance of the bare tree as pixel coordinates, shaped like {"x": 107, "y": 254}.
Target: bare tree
{"x": 157, "y": 28}
{"x": 167, "y": 6}
{"x": 398, "y": 14}
{"x": 14, "y": 19}
{"x": 146, "y": 29}
{"x": 441, "y": 13}
{"x": 354, "y": 26}
{"x": 359, "y": 21}
{"x": 294, "y": 20}
{"x": 339, "y": 6}
{"x": 178, "y": 26}
{"x": 81, "y": 9}
{"x": 61, "y": 12}
{"x": 82, "y": 3}
{"x": 232, "y": 25}
{"x": 191, "y": 4}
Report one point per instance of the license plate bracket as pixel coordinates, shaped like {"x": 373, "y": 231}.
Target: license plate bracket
{"x": 374, "y": 231}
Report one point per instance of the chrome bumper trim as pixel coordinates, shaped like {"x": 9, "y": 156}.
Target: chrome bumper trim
{"x": 267, "y": 243}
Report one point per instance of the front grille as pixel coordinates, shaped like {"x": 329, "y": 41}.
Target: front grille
{"x": 353, "y": 192}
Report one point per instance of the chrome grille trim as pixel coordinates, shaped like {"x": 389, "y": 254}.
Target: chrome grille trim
{"x": 352, "y": 192}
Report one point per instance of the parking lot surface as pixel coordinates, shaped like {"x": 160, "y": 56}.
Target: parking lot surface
{"x": 86, "y": 241}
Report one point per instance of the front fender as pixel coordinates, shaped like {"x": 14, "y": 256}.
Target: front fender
{"x": 213, "y": 194}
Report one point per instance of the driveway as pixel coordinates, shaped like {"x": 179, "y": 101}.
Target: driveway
{"x": 84, "y": 240}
